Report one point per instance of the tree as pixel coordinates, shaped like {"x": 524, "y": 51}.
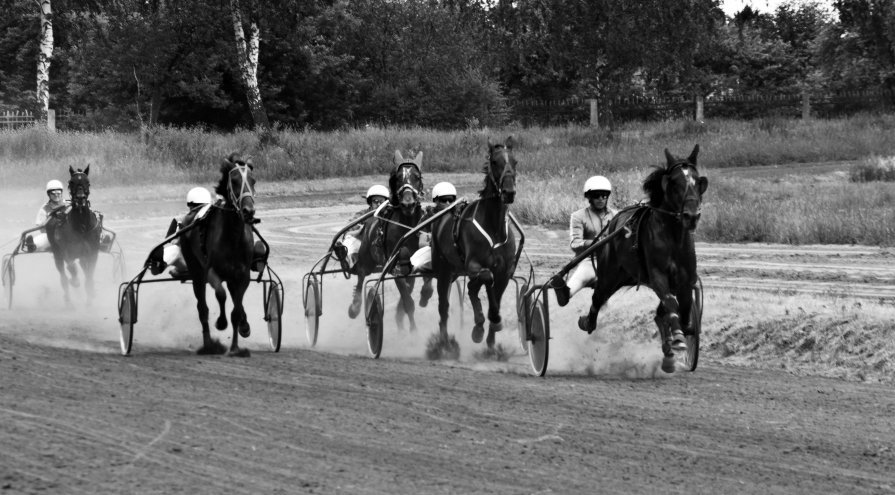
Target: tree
{"x": 247, "y": 59}
{"x": 44, "y": 55}
{"x": 859, "y": 50}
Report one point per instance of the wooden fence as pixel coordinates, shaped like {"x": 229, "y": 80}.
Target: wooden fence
{"x": 14, "y": 119}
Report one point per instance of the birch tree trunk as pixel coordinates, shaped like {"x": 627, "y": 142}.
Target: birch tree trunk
{"x": 45, "y": 53}
{"x": 247, "y": 55}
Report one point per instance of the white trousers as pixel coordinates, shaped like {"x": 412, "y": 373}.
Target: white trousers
{"x": 174, "y": 258}
{"x": 422, "y": 258}
{"x": 353, "y": 245}
{"x": 583, "y": 276}
{"x": 41, "y": 241}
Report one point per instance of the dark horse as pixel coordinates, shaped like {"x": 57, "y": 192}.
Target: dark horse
{"x": 659, "y": 251}
{"x": 220, "y": 249}
{"x": 380, "y": 235}
{"x": 74, "y": 234}
{"x": 478, "y": 243}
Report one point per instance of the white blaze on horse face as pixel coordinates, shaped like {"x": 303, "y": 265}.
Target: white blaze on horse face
{"x": 690, "y": 179}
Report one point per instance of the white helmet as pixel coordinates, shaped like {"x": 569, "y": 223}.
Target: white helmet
{"x": 443, "y": 189}
{"x": 377, "y": 190}
{"x": 54, "y": 185}
{"x": 597, "y": 183}
{"x": 199, "y": 196}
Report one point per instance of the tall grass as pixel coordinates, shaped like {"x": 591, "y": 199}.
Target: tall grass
{"x": 553, "y": 163}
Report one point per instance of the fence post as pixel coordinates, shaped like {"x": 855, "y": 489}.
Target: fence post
{"x": 700, "y": 108}
{"x": 806, "y": 106}
{"x": 594, "y": 115}
{"x": 51, "y": 120}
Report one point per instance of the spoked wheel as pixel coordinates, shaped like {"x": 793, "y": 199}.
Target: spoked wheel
{"x": 273, "y": 313}
{"x": 374, "y": 323}
{"x": 9, "y": 278}
{"x": 312, "y": 309}
{"x": 691, "y": 357}
{"x": 538, "y": 337}
{"x": 522, "y": 308}
{"x": 127, "y": 316}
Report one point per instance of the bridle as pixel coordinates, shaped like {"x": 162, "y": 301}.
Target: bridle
{"x": 245, "y": 191}
{"x": 506, "y": 172}
{"x": 690, "y": 186}
{"x": 74, "y": 187}
{"x": 405, "y": 171}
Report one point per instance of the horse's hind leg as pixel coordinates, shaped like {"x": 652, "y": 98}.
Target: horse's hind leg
{"x": 238, "y": 318}
{"x": 354, "y": 309}
{"x": 221, "y": 295}
{"x": 88, "y": 266}
{"x": 662, "y": 322}
{"x": 426, "y": 292}
{"x": 63, "y": 279}
{"x": 406, "y": 306}
{"x": 209, "y": 345}
{"x": 73, "y": 271}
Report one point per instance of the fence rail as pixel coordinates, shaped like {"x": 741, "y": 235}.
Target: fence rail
{"x": 14, "y": 119}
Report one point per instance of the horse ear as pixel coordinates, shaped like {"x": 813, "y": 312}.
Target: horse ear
{"x": 669, "y": 157}
{"x": 510, "y": 142}
{"x": 418, "y": 160}
{"x": 87, "y": 170}
{"x": 692, "y": 157}
{"x": 399, "y": 159}
{"x": 71, "y": 170}
{"x": 703, "y": 185}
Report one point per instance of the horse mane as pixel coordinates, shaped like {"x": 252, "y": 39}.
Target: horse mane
{"x": 652, "y": 185}
{"x": 489, "y": 189}
{"x": 227, "y": 165}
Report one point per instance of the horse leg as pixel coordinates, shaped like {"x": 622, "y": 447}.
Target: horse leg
{"x": 63, "y": 279}
{"x": 661, "y": 320}
{"x": 478, "y": 330}
{"x": 88, "y": 266}
{"x": 660, "y": 285}
{"x": 426, "y": 292}
{"x": 406, "y": 306}
{"x": 221, "y": 295}
{"x": 588, "y": 322}
{"x": 443, "y": 286}
{"x": 209, "y": 345}
{"x": 73, "y": 271}
{"x": 495, "y": 294}
{"x": 354, "y": 309}
{"x": 238, "y": 318}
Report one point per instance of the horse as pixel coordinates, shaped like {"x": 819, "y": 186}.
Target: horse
{"x": 380, "y": 236}
{"x": 477, "y": 242}
{"x": 220, "y": 248}
{"x": 74, "y": 233}
{"x": 658, "y": 251}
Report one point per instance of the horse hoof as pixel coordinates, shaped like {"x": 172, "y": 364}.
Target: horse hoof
{"x": 240, "y": 352}
{"x": 490, "y": 340}
{"x": 353, "y": 310}
{"x": 221, "y": 323}
{"x": 495, "y": 327}
{"x": 244, "y": 331}
{"x": 668, "y": 364}
{"x": 212, "y": 348}
{"x": 585, "y": 325}
{"x": 425, "y": 295}
{"x": 678, "y": 342}
{"x": 478, "y": 333}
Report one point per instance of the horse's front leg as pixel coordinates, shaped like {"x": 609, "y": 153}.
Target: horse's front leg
{"x": 426, "y": 292}
{"x": 221, "y": 295}
{"x": 406, "y": 306}
{"x": 88, "y": 266}
{"x": 238, "y": 317}
{"x": 495, "y": 294}
{"x": 209, "y": 345}
{"x": 674, "y": 336}
{"x": 478, "y": 330}
{"x": 354, "y": 309}
{"x": 63, "y": 278}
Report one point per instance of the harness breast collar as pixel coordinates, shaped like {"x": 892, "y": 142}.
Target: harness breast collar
{"x": 485, "y": 234}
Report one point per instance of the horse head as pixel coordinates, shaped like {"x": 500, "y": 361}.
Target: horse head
{"x": 237, "y": 186}
{"x": 677, "y": 188}
{"x": 79, "y": 187}
{"x": 406, "y": 182}
{"x": 500, "y": 172}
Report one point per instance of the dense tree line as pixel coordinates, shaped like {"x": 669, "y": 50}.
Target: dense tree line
{"x": 443, "y": 63}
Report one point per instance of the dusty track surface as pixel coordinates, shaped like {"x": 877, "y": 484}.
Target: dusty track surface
{"x": 78, "y": 418}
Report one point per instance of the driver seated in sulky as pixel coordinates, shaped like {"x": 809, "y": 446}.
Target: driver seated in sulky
{"x": 39, "y": 241}
{"x": 171, "y": 256}
{"x": 443, "y": 194}
{"x": 346, "y": 250}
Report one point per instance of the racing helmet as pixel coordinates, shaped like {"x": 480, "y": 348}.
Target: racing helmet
{"x": 377, "y": 190}
{"x": 198, "y": 196}
{"x": 597, "y": 183}
{"x": 54, "y": 185}
{"x": 443, "y": 189}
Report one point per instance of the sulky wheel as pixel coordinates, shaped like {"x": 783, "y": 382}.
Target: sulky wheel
{"x": 691, "y": 357}
{"x": 273, "y": 313}
{"x": 312, "y": 309}
{"x": 538, "y": 337}
{"x": 374, "y": 323}
{"x": 523, "y": 305}
{"x": 127, "y": 316}
{"x": 9, "y": 279}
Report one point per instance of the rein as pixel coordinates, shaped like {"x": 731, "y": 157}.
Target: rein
{"x": 497, "y": 182}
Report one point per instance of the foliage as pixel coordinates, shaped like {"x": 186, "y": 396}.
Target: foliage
{"x": 873, "y": 169}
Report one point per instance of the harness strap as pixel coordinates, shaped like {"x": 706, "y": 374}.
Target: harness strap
{"x": 488, "y": 237}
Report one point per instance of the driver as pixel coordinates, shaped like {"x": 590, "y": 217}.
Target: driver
{"x": 584, "y": 226}
{"x": 171, "y": 255}
{"x": 346, "y": 251}
{"x": 443, "y": 194}
{"x": 40, "y": 241}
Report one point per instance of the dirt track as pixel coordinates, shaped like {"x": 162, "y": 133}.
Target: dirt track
{"x": 78, "y": 418}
